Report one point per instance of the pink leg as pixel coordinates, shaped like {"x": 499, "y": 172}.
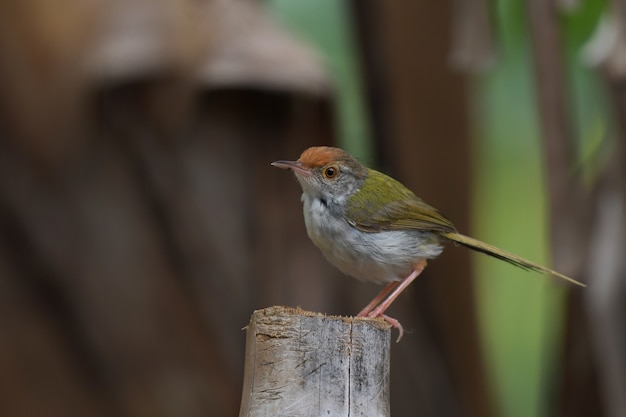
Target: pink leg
{"x": 378, "y": 312}
{"x": 382, "y": 294}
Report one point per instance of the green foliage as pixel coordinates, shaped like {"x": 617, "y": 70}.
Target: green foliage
{"x": 523, "y": 339}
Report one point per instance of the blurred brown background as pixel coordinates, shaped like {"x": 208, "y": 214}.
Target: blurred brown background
{"x": 141, "y": 223}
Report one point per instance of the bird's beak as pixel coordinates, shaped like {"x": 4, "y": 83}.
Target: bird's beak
{"x": 295, "y": 166}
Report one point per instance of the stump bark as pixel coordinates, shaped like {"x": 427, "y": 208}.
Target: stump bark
{"x": 305, "y": 364}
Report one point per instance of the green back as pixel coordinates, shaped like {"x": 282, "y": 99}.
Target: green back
{"x": 383, "y": 203}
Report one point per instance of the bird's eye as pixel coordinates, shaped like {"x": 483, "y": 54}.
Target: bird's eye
{"x": 331, "y": 172}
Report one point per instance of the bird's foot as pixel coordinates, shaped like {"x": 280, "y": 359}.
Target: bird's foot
{"x": 394, "y": 323}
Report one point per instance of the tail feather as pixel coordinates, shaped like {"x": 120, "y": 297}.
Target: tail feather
{"x": 509, "y": 257}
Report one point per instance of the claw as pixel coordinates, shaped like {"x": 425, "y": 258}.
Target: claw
{"x": 394, "y": 323}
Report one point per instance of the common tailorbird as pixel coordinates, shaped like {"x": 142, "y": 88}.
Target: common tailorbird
{"x": 375, "y": 229}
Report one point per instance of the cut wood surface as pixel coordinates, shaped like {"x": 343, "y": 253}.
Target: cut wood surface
{"x": 300, "y": 363}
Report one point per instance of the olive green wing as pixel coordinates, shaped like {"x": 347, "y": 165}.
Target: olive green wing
{"x": 383, "y": 203}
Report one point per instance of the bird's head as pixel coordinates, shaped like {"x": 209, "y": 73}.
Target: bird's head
{"x": 327, "y": 173}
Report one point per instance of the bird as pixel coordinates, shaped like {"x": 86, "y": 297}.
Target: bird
{"x": 373, "y": 228}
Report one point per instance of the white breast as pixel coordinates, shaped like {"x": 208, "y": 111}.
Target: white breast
{"x": 379, "y": 257}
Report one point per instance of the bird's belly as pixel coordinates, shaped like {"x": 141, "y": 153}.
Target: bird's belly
{"x": 379, "y": 257}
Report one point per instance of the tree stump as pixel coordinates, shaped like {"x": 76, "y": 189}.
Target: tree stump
{"x": 306, "y": 364}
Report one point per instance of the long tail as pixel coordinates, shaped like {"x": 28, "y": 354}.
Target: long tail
{"x": 509, "y": 257}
